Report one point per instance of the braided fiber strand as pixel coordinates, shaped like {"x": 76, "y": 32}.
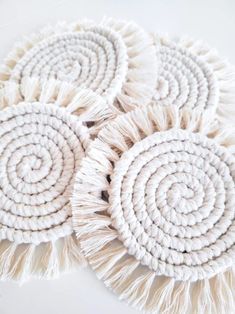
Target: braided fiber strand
{"x": 156, "y": 215}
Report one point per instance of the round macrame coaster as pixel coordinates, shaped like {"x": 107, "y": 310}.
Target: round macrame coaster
{"x": 154, "y": 208}
{"x": 43, "y": 137}
{"x": 192, "y": 75}
{"x": 115, "y": 59}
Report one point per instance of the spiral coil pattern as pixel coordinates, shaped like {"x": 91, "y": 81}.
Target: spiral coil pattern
{"x": 172, "y": 200}
{"x": 93, "y": 58}
{"x": 185, "y": 79}
{"x": 40, "y": 149}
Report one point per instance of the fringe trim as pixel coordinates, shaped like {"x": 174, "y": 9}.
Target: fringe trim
{"x": 19, "y": 262}
{"x": 142, "y": 65}
{"x": 127, "y": 129}
{"x": 104, "y": 261}
{"x": 151, "y": 294}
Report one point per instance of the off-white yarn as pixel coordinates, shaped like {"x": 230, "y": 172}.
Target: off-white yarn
{"x": 91, "y": 108}
{"x": 113, "y": 58}
{"x": 193, "y": 75}
{"x": 43, "y": 137}
{"x": 153, "y": 206}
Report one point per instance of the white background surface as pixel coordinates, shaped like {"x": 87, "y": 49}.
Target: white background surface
{"x": 210, "y": 20}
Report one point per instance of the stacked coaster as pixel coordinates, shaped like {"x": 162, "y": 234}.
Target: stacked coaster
{"x": 115, "y": 59}
{"x": 44, "y": 136}
{"x": 117, "y": 148}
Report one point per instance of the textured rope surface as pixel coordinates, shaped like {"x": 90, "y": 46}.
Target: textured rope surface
{"x": 172, "y": 200}
{"x": 41, "y": 147}
{"x": 192, "y": 75}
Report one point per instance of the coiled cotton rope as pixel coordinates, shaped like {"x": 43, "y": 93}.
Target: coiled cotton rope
{"x": 192, "y": 75}
{"x": 43, "y": 137}
{"x": 111, "y": 58}
{"x": 153, "y": 206}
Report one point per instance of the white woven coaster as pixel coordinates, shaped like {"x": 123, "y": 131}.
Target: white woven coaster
{"x": 193, "y": 75}
{"x": 113, "y": 58}
{"x": 154, "y": 208}
{"x": 43, "y": 137}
